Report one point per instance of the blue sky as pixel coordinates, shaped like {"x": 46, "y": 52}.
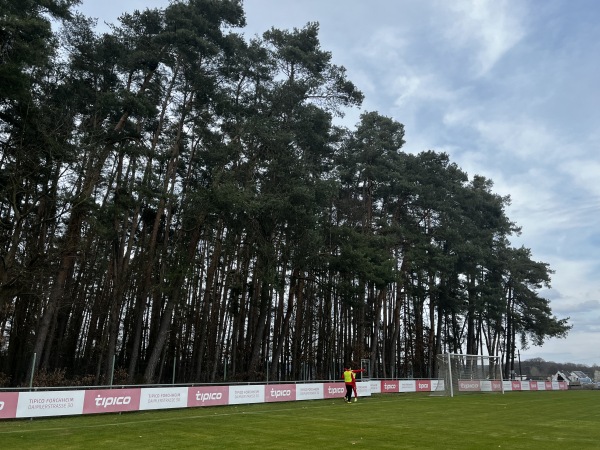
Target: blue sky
{"x": 508, "y": 88}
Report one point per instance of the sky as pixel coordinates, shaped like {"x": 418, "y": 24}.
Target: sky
{"x": 509, "y": 89}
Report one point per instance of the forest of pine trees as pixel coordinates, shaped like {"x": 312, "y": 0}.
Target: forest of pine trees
{"x": 174, "y": 195}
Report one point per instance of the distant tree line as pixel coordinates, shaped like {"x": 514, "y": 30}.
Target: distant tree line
{"x": 538, "y": 368}
{"x": 175, "y": 195}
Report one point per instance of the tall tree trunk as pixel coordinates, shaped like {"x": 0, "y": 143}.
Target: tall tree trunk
{"x": 208, "y": 298}
{"x": 282, "y": 328}
{"x": 379, "y": 301}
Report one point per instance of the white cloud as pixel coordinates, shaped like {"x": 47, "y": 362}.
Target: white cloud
{"x": 579, "y": 347}
{"x": 384, "y": 45}
{"x": 405, "y": 87}
{"x": 586, "y": 174}
{"x": 491, "y": 28}
{"x": 458, "y": 116}
{"x": 520, "y": 137}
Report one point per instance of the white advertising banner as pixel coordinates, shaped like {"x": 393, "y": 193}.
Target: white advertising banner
{"x": 164, "y": 398}
{"x": 309, "y": 391}
{"x": 246, "y": 394}
{"x": 375, "y": 386}
{"x": 363, "y": 388}
{"x": 437, "y": 385}
{"x": 50, "y": 403}
{"x": 408, "y": 386}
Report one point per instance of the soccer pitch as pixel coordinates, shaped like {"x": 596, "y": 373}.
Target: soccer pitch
{"x": 515, "y": 420}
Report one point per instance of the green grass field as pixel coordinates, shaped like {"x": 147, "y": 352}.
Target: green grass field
{"x": 516, "y": 420}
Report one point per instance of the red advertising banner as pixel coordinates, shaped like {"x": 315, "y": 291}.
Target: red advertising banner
{"x": 388, "y": 386}
{"x": 469, "y": 385}
{"x": 280, "y": 393}
{"x": 111, "y": 400}
{"x": 208, "y": 396}
{"x": 8, "y": 405}
{"x": 423, "y": 385}
{"x": 334, "y": 390}
{"x": 533, "y": 385}
{"x": 516, "y": 385}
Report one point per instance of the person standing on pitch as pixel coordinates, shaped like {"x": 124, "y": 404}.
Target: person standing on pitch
{"x": 350, "y": 381}
{"x": 354, "y": 383}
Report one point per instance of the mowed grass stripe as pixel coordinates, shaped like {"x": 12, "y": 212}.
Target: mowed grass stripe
{"x": 516, "y": 420}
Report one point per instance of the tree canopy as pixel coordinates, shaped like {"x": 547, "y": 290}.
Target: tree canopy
{"x": 174, "y": 196}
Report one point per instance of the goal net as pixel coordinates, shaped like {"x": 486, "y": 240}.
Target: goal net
{"x": 459, "y": 374}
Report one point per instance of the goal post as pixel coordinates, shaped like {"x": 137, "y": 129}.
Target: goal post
{"x": 460, "y": 374}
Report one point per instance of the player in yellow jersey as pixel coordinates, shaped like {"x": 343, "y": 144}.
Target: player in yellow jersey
{"x": 350, "y": 381}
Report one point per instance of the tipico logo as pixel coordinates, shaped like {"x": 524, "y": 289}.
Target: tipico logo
{"x": 389, "y": 386}
{"x": 105, "y": 402}
{"x": 281, "y": 393}
{"x": 336, "y": 390}
{"x": 207, "y": 396}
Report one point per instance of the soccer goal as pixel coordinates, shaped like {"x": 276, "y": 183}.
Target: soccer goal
{"x": 459, "y": 374}
{"x": 365, "y": 365}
